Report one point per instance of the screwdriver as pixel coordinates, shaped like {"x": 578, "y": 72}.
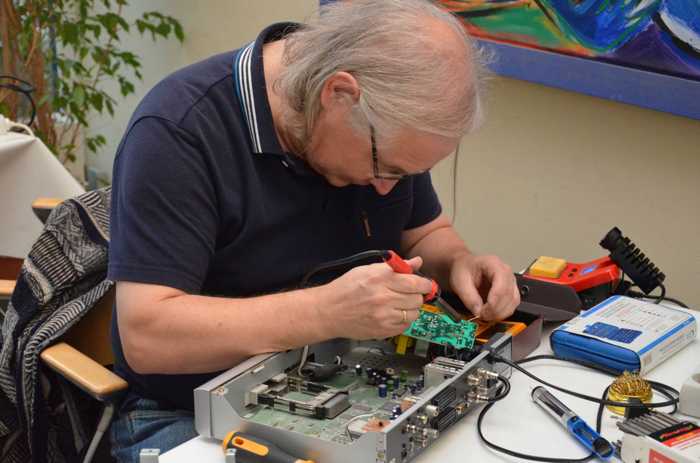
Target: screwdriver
{"x": 251, "y": 449}
{"x": 399, "y": 265}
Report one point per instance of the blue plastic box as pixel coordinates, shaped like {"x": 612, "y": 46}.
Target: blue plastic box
{"x": 624, "y": 334}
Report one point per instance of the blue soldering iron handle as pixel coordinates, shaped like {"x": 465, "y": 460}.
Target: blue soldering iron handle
{"x": 573, "y": 423}
{"x": 590, "y": 439}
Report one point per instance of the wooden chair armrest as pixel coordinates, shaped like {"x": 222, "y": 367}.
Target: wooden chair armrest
{"x": 42, "y": 207}
{"x": 82, "y": 371}
{"x": 6, "y": 288}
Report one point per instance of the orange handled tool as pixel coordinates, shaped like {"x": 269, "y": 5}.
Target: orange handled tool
{"x": 399, "y": 265}
{"x": 251, "y": 449}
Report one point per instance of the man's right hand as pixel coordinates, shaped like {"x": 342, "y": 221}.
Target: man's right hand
{"x": 166, "y": 331}
{"x": 372, "y": 301}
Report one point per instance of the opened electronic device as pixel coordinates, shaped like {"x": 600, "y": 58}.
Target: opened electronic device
{"x": 350, "y": 401}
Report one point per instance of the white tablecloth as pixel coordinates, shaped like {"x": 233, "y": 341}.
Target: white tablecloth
{"x": 28, "y": 170}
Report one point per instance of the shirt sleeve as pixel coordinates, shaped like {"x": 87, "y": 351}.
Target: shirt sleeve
{"x": 426, "y": 205}
{"x": 164, "y": 211}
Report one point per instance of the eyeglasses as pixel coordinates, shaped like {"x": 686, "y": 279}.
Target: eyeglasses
{"x": 375, "y": 161}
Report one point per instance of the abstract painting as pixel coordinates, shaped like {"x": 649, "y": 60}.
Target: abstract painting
{"x": 641, "y": 52}
{"x": 656, "y": 35}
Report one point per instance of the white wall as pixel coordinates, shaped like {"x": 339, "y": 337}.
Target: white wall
{"x": 219, "y": 25}
{"x": 552, "y": 171}
{"x": 211, "y": 26}
{"x": 158, "y": 58}
{"x": 549, "y": 174}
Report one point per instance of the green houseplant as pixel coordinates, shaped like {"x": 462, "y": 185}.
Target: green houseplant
{"x": 68, "y": 50}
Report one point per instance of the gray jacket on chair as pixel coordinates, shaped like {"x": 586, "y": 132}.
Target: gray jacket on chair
{"x": 62, "y": 278}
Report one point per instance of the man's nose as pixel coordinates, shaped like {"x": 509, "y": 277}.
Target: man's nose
{"x": 383, "y": 186}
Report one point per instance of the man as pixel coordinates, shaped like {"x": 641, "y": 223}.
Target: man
{"x": 239, "y": 174}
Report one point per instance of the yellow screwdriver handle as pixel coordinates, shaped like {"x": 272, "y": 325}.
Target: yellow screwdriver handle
{"x": 251, "y": 449}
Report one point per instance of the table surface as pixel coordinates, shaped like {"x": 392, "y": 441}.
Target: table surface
{"x": 515, "y": 422}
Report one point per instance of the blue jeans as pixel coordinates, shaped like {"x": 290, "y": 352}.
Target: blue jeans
{"x": 142, "y": 424}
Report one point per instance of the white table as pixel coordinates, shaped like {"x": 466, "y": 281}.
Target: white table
{"x": 516, "y": 422}
{"x": 28, "y": 170}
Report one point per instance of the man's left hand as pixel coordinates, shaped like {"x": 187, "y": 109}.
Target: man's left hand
{"x": 486, "y": 286}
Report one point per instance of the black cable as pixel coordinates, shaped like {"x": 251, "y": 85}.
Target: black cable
{"x": 638, "y": 295}
{"x": 333, "y": 265}
{"x": 525, "y": 456}
{"x": 26, "y": 91}
{"x": 657, "y": 299}
{"x": 667, "y": 391}
{"x": 340, "y": 263}
{"x": 599, "y": 414}
{"x": 676, "y": 301}
{"x": 591, "y": 366}
{"x": 501, "y": 394}
{"x": 663, "y": 389}
{"x": 661, "y": 296}
{"x": 505, "y": 389}
{"x": 672, "y": 402}
{"x": 620, "y": 281}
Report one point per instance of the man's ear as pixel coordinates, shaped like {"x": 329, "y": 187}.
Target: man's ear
{"x": 341, "y": 90}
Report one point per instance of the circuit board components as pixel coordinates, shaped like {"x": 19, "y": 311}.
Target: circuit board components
{"x": 344, "y": 418}
{"x": 298, "y": 396}
{"x": 435, "y": 327}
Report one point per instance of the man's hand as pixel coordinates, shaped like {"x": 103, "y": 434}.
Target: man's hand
{"x": 372, "y": 301}
{"x": 486, "y": 285}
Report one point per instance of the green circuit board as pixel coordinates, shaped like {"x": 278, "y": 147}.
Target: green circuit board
{"x": 363, "y": 397}
{"x": 437, "y": 328}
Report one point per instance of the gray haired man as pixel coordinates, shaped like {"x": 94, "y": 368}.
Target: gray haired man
{"x": 239, "y": 174}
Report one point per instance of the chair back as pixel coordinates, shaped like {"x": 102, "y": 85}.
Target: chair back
{"x": 9, "y": 269}
{"x": 91, "y": 334}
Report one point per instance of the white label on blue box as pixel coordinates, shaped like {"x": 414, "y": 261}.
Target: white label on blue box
{"x": 652, "y": 331}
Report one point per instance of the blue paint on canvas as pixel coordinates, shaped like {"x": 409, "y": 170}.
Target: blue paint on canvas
{"x": 602, "y": 25}
{"x": 654, "y": 46}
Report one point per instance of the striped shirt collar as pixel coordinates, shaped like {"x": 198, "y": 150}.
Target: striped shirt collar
{"x": 249, "y": 82}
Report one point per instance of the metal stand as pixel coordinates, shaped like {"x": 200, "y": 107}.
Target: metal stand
{"x": 149, "y": 455}
{"x": 230, "y": 455}
{"x": 102, "y": 426}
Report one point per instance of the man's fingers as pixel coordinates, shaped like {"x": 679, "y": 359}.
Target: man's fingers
{"x": 416, "y": 263}
{"x": 407, "y": 301}
{"x": 503, "y": 297}
{"x": 406, "y": 316}
{"x": 469, "y": 295}
{"x": 501, "y": 290}
{"x": 409, "y": 284}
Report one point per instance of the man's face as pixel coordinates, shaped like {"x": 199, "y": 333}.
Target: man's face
{"x": 344, "y": 156}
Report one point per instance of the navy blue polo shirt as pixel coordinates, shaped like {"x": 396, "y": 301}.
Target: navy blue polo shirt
{"x": 205, "y": 200}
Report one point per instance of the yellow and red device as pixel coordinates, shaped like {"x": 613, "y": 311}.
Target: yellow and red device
{"x": 598, "y": 279}
{"x": 593, "y": 281}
